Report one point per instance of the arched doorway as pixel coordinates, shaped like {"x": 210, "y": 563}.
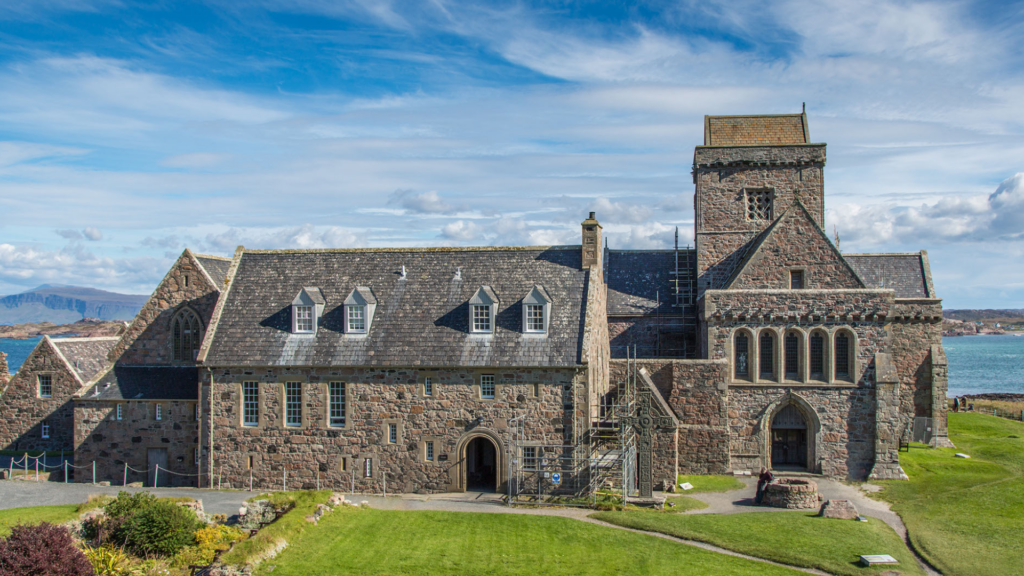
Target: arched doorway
{"x": 481, "y": 464}
{"x": 789, "y": 439}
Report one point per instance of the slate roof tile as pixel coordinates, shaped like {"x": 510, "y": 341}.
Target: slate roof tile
{"x": 638, "y": 280}
{"x": 217, "y": 268}
{"x": 420, "y": 320}
{"x": 756, "y": 130}
{"x": 86, "y": 356}
{"x": 904, "y": 273}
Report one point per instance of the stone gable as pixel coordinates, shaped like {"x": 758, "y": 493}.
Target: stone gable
{"x": 793, "y": 242}
{"x": 148, "y": 339}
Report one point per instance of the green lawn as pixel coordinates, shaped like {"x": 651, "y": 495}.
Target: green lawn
{"x": 366, "y": 541}
{"x": 795, "y": 538}
{"x": 965, "y": 516}
{"x": 708, "y": 483}
{"x": 683, "y": 503}
{"x": 35, "y": 515}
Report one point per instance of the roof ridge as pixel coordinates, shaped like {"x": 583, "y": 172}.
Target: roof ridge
{"x": 211, "y": 257}
{"x": 85, "y": 339}
{"x": 879, "y": 254}
{"x": 421, "y": 249}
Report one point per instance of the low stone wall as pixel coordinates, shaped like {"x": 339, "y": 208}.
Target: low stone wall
{"x": 793, "y": 493}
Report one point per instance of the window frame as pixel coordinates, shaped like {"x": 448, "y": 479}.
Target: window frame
{"x": 292, "y": 405}
{"x": 825, "y": 355}
{"x": 250, "y": 403}
{"x": 747, "y": 337}
{"x": 797, "y": 273}
{"x": 392, "y": 432}
{"x": 428, "y": 386}
{"x": 478, "y": 326}
{"x": 45, "y": 430}
{"x": 531, "y": 319}
{"x": 49, "y": 385}
{"x": 797, "y": 361}
{"x": 331, "y": 418}
{"x": 530, "y": 460}
{"x": 765, "y": 210}
{"x": 303, "y": 325}
{"x": 119, "y": 411}
{"x": 349, "y": 309}
{"x": 158, "y": 412}
{"x": 428, "y": 450}
{"x": 186, "y": 335}
{"x": 850, "y": 355}
{"x": 489, "y": 380}
{"x": 766, "y": 353}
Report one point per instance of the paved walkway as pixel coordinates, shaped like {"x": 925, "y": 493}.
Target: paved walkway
{"x": 21, "y": 493}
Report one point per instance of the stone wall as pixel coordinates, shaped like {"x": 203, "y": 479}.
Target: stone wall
{"x": 376, "y": 397}
{"x": 722, "y": 173}
{"x": 796, "y": 243}
{"x": 148, "y": 339}
{"x": 101, "y": 437}
{"x": 841, "y": 427}
{"x": 24, "y": 411}
{"x": 916, "y": 326}
{"x": 596, "y": 346}
{"x": 4, "y": 374}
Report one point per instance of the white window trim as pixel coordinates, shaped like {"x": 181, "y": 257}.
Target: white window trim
{"x": 288, "y": 405}
{"x": 490, "y": 318}
{"x": 39, "y": 385}
{"x": 119, "y": 411}
{"x": 349, "y": 308}
{"x": 295, "y": 319}
{"x": 344, "y": 405}
{"x": 543, "y": 319}
{"x": 45, "y": 430}
{"x": 158, "y": 412}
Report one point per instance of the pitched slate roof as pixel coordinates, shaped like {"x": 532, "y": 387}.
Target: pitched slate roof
{"x": 756, "y": 130}
{"x": 86, "y": 356}
{"x": 216, "y": 267}
{"x": 638, "y": 280}
{"x": 420, "y": 320}
{"x": 904, "y": 273}
{"x": 146, "y": 383}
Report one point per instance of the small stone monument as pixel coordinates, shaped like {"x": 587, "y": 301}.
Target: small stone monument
{"x": 842, "y": 509}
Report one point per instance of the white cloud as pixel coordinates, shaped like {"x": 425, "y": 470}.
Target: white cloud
{"x": 300, "y": 237}
{"x": 92, "y": 234}
{"x": 421, "y": 203}
{"x": 461, "y": 231}
{"x": 27, "y": 266}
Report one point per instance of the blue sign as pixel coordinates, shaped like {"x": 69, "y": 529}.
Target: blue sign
{"x": 556, "y": 478}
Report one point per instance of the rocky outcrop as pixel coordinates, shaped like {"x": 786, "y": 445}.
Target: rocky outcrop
{"x": 68, "y": 303}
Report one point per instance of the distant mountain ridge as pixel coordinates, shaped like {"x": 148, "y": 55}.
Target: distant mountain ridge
{"x": 67, "y": 304}
{"x": 985, "y": 315}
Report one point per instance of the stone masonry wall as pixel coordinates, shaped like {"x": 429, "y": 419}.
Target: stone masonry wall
{"x": 23, "y": 411}
{"x": 796, "y": 243}
{"x": 643, "y": 332}
{"x": 722, "y": 174}
{"x": 148, "y": 339}
{"x": 375, "y": 397}
{"x": 916, "y": 326}
{"x": 843, "y": 443}
{"x": 111, "y": 443}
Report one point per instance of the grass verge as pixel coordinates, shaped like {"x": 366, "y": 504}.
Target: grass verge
{"x": 711, "y": 483}
{"x": 366, "y": 541}
{"x": 683, "y": 504}
{"x": 795, "y": 538}
{"x": 964, "y": 515}
{"x": 285, "y": 530}
{"x": 34, "y": 515}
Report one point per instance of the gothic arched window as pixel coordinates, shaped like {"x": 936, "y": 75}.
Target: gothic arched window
{"x": 767, "y": 355}
{"x": 817, "y": 356}
{"x": 187, "y": 333}
{"x": 843, "y": 354}
{"x": 741, "y": 352}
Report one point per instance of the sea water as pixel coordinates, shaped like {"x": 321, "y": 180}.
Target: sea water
{"x": 17, "y": 351}
{"x": 979, "y": 364}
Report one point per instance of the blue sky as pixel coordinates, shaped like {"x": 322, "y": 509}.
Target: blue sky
{"x": 129, "y": 131}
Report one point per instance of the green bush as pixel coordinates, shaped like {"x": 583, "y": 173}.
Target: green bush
{"x": 162, "y": 528}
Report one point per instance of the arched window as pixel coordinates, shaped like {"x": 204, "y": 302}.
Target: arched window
{"x": 817, "y": 356}
{"x": 188, "y": 335}
{"x": 767, "y": 355}
{"x": 842, "y": 355}
{"x": 741, "y": 355}
{"x": 791, "y": 346}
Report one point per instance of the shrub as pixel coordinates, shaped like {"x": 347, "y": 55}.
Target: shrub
{"x": 43, "y": 550}
{"x": 160, "y": 528}
{"x": 208, "y": 541}
{"x": 108, "y": 561}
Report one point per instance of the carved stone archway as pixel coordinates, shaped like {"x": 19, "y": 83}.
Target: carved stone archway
{"x": 458, "y": 473}
{"x": 810, "y": 416}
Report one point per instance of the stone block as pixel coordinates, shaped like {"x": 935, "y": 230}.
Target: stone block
{"x": 842, "y": 509}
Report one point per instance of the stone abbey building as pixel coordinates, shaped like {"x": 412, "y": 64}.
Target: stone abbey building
{"x": 445, "y": 368}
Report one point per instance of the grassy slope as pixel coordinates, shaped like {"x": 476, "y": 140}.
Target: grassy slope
{"x": 35, "y": 515}
{"x": 365, "y": 541}
{"x": 795, "y": 538}
{"x": 708, "y": 483}
{"x": 965, "y": 516}
{"x": 287, "y": 528}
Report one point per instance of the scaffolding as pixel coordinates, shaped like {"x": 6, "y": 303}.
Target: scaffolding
{"x": 601, "y": 462}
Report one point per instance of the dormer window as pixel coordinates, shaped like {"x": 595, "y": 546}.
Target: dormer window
{"x": 307, "y": 307}
{"x": 536, "y": 311}
{"x": 359, "y": 307}
{"x": 482, "y": 308}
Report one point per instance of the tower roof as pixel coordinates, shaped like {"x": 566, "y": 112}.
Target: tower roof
{"x": 756, "y": 130}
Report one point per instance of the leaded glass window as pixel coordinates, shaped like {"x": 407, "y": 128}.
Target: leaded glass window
{"x": 817, "y": 356}
{"x": 842, "y": 355}
{"x": 792, "y": 355}
{"x": 187, "y": 335}
{"x": 741, "y": 350}
{"x": 767, "y": 356}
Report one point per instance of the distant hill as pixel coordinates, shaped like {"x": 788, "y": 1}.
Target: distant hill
{"x": 1012, "y": 316}
{"x": 67, "y": 304}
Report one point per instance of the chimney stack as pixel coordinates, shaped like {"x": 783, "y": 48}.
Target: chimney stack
{"x": 591, "y": 242}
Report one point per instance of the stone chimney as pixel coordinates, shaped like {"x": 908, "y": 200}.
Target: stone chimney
{"x": 591, "y": 242}
{"x": 5, "y": 376}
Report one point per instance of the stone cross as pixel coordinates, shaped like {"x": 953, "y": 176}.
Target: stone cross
{"x": 645, "y": 421}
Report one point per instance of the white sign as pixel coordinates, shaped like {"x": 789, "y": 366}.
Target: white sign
{"x": 556, "y": 478}
{"x": 686, "y": 486}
